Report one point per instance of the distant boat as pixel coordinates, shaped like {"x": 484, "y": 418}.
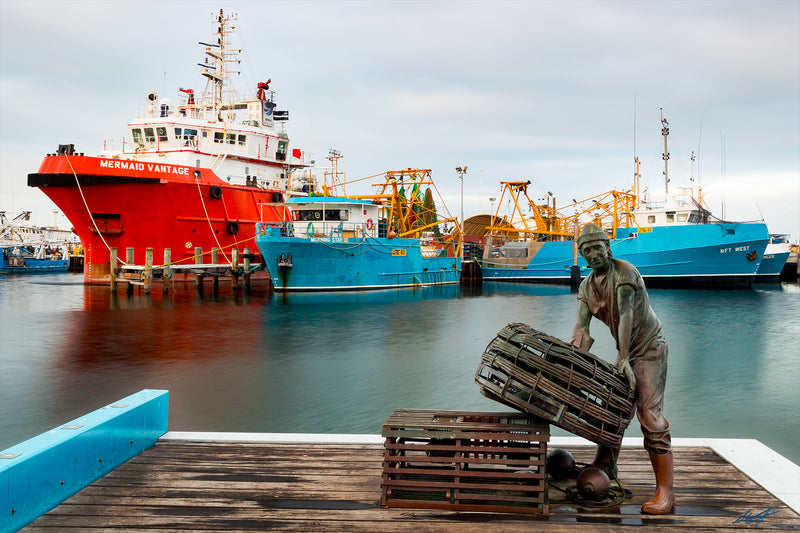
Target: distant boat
{"x": 338, "y": 243}
{"x": 184, "y": 176}
{"x": 27, "y": 248}
{"x": 775, "y": 257}
{"x": 29, "y": 259}
{"x": 675, "y": 244}
{"x": 674, "y": 254}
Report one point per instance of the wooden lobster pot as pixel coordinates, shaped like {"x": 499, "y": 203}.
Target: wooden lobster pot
{"x": 548, "y": 378}
{"x": 460, "y": 460}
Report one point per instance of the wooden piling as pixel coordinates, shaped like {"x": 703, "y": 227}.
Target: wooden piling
{"x": 198, "y": 260}
{"x": 148, "y": 269}
{"x": 167, "y": 272}
{"x": 471, "y": 273}
{"x": 129, "y": 259}
{"x": 112, "y": 271}
{"x": 235, "y": 268}
{"x": 246, "y": 278}
{"x": 215, "y": 261}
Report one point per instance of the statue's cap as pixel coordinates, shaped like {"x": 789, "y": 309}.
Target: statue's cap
{"x": 591, "y": 233}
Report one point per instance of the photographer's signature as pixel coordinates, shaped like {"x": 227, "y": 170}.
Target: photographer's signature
{"x": 750, "y": 518}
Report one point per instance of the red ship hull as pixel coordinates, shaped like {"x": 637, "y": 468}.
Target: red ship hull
{"x": 140, "y": 205}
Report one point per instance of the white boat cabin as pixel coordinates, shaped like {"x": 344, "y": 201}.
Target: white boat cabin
{"x": 336, "y": 217}
{"x": 678, "y": 210}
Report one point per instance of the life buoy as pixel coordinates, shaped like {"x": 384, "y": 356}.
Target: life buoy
{"x": 370, "y": 225}
{"x": 752, "y": 255}
{"x": 215, "y": 192}
{"x": 232, "y": 227}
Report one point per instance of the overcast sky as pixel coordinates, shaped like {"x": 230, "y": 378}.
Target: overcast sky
{"x": 561, "y": 93}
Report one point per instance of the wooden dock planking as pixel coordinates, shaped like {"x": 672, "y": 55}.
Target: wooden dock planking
{"x": 185, "y": 486}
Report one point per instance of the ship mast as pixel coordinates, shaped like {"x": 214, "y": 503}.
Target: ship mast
{"x": 636, "y": 177}
{"x": 665, "y": 155}
{"x": 216, "y": 70}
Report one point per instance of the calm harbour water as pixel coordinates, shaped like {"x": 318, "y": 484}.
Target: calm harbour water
{"x": 341, "y": 363}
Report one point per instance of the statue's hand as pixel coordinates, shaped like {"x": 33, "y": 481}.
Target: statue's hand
{"x": 624, "y": 369}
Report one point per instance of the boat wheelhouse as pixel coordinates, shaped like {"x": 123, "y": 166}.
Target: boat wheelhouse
{"x": 342, "y": 243}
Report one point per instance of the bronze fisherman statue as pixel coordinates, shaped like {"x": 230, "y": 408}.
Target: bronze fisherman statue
{"x": 614, "y": 292}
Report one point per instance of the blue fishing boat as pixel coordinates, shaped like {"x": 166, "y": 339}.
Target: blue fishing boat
{"x": 674, "y": 243}
{"x": 27, "y": 248}
{"x": 28, "y": 260}
{"x": 700, "y": 255}
{"x": 341, "y": 243}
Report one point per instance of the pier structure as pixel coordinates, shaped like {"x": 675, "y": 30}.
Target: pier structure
{"x": 132, "y": 275}
{"x": 186, "y": 481}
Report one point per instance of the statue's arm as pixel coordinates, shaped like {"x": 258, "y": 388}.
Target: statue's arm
{"x": 625, "y": 294}
{"x": 580, "y": 334}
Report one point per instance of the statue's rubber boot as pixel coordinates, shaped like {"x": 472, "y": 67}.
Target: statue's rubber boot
{"x": 605, "y": 458}
{"x": 663, "y": 501}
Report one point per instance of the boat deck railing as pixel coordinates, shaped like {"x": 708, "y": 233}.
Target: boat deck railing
{"x": 332, "y": 231}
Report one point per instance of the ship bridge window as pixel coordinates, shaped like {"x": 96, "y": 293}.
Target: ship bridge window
{"x": 242, "y": 140}
{"x": 333, "y": 215}
{"x": 280, "y": 154}
{"x": 682, "y": 217}
{"x": 670, "y": 216}
{"x": 137, "y": 136}
{"x": 219, "y": 137}
{"x": 694, "y": 218}
{"x": 162, "y": 134}
{"x": 187, "y": 136}
{"x": 651, "y": 219}
{"x": 231, "y": 138}
{"x": 149, "y": 135}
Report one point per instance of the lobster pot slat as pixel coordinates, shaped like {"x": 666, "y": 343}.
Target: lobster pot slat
{"x": 548, "y": 378}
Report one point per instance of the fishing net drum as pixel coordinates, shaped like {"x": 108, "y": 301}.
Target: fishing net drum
{"x": 557, "y": 382}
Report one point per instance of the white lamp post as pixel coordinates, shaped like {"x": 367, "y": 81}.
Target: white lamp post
{"x": 461, "y": 172}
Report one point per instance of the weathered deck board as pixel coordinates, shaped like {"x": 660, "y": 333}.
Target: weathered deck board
{"x": 183, "y": 486}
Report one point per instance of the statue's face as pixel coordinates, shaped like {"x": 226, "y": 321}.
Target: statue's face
{"x": 597, "y": 254}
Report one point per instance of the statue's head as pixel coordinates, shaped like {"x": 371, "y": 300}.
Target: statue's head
{"x": 594, "y": 247}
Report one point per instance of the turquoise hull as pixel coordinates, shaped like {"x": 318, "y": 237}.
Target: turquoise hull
{"x": 336, "y": 263}
{"x": 692, "y": 255}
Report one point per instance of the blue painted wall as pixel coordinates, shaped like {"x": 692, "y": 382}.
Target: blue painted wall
{"x": 40, "y": 473}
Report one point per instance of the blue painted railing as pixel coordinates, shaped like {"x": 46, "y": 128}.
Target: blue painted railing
{"x": 40, "y": 473}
